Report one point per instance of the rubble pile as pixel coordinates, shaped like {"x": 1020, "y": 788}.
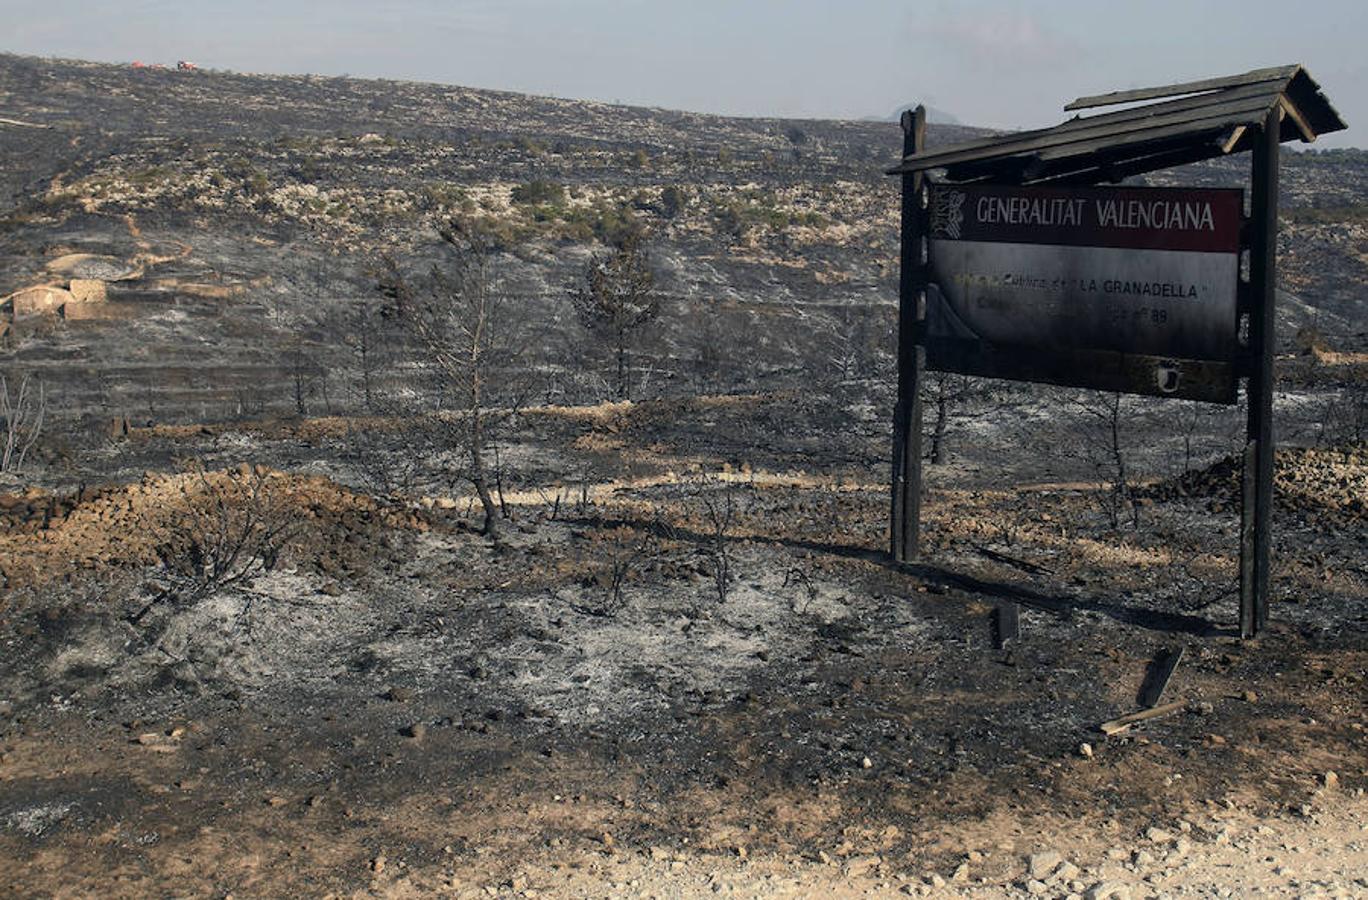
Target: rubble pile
{"x": 46, "y": 537}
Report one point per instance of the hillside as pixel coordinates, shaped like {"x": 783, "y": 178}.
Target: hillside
{"x": 236, "y": 219}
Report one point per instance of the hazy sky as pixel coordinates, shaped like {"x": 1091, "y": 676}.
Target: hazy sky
{"x": 992, "y": 62}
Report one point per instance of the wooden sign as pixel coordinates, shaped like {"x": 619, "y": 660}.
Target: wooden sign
{"x": 1126, "y": 289}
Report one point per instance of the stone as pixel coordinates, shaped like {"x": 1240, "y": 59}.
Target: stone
{"x": 866, "y": 763}
{"x": 1250, "y": 697}
{"x": 276, "y": 801}
{"x": 1330, "y": 780}
{"x": 1036, "y": 888}
{"x": 399, "y": 694}
{"x": 1108, "y": 890}
{"x": 417, "y": 731}
{"x": 1066, "y": 872}
{"x": 1085, "y": 750}
{"x": 961, "y": 873}
{"x": 38, "y": 301}
{"x": 935, "y": 880}
{"x": 88, "y": 290}
{"x": 378, "y": 865}
{"x": 1158, "y": 835}
{"x": 862, "y": 866}
{"x": 1041, "y": 865}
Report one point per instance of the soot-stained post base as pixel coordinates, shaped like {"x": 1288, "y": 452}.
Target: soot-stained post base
{"x": 907, "y": 415}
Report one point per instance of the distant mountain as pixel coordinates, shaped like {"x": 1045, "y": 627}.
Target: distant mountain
{"x": 934, "y": 116}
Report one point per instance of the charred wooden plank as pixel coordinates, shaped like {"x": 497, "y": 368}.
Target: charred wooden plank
{"x": 1159, "y": 673}
{"x": 1116, "y": 726}
{"x": 905, "y": 514}
{"x": 1256, "y": 519}
{"x": 1006, "y": 624}
{"x": 1274, "y": 74}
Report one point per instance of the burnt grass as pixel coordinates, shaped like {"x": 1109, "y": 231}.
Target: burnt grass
{"x": 399, "y": 707}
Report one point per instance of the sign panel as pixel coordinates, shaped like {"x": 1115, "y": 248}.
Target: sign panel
{"x": 1130, "y": 289}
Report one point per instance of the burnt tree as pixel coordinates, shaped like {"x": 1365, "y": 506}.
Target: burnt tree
{"x": 456, "y": 317}
{"x": 614, "y": 299}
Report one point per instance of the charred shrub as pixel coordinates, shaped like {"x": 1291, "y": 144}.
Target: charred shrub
{"x": 232, "y": 527}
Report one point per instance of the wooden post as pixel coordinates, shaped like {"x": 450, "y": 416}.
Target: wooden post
{"x": 907, "y": 415}
{"x": 1256, "y": 514}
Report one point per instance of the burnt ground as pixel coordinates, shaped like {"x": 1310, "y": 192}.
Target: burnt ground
{"x": 398, "y": 709}
{"x": 394, "y": 707}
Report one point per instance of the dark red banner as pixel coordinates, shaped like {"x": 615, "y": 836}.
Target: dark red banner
{"x": 1197, "y": 219}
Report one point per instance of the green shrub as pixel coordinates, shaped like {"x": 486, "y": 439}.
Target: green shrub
{"x": 444, "y": 196}
{"x": 610, "y": 223}
{"x": 673, "y": 199}
{"x": 539, "y": 192}
{"x": 530, "y": 146}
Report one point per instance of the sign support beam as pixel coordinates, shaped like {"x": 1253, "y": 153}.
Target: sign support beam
{"x": 905, "y": 523}
{"x": 1256, "y": 515}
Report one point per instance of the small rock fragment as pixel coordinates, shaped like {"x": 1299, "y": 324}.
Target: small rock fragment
{"x": 1330, "y": 780}
{"x": 1108, "y": 890}
{"x": 378, "y": 865}
{"x": 1041, "y": 865}
{"x": 1158, "y": 835}
{"x": 1085, "y": 750}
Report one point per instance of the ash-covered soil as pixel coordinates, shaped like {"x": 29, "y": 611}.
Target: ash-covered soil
{"x": 397, "y": 708}
{"x": 253, "y": 643}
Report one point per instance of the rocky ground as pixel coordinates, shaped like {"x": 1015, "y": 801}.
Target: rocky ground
{"x": 252, "y": 642}
{"x": 395, "y": 708}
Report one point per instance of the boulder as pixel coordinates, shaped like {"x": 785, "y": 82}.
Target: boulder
{"x": 89, "y": 290}
{"x": 38, "y": 301}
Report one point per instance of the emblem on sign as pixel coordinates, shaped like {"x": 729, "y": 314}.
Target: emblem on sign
{"x": 947, "y": 214}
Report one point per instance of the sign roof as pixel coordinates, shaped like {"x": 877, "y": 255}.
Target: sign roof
{"x": 1160, "y": 127}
